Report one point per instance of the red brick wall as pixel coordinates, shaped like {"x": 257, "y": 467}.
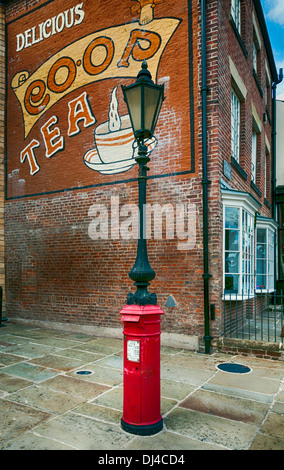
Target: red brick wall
{"x": 56, "y": 272}
{"x": 230, "y": 45}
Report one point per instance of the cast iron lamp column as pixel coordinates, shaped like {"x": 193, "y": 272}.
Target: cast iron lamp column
{"x": 144, "y": 100}
{"x": 142, "y": 316}
{"x": 142, "y": 273}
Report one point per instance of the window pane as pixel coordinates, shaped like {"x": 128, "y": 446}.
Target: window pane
{"x": 261, "y": 266}
{"x": 247, "y": 253}
{"x": 271, "y": 282}
{"x": 232, "y": 217}
{"x": 254, "y": 57}
{"x": 261, "y": 251}
{"x": 134, "y": 104}
{"x": 232, "y": 263}
{"x": 232, "y": 283}
{"x": 152, "y": 102}
{"x": 271, "y": 252}
{"x": 235, "y": 125}
{"x": 261, "y": 235}
{"x": 253, "y": 157}
{"x": 236, "y": 13}
{"x": 232, "y": 240}
{"x": 261, "y": 282}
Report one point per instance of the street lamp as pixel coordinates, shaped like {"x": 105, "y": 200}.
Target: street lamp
{"x": 141, "y": 315}
{"x": 144, "y": 101}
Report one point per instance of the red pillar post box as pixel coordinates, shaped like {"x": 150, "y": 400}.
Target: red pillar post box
{"x": 141, "y": 372}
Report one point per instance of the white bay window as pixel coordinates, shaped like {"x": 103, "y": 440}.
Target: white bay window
{"x": 238, "y": 269}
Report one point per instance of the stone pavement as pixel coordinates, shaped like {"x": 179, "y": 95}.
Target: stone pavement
{"x": 47, "y": 404}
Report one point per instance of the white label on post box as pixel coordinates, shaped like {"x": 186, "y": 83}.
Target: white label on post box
{"x": 133, "y": 351}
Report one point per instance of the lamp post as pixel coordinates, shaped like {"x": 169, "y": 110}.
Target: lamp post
{"x": 141, "y": 315}
{"x": 144, "y": 100}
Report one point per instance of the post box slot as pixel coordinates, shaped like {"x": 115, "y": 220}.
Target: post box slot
{"x": 131, "y": 318}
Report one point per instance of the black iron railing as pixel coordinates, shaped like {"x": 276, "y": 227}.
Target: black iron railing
{"x": 257, "y": 317}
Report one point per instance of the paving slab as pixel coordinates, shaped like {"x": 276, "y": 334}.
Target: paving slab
{"x": 102, "y": 375}
{"x": 99, "y": 347}
{"x": 182, "y": 374}
{"x": 115, "y": 361}
{"x": 84, "y": 356}
{"x": 7, "y": 359}
{"x": 169, "y": 441}
{"x": 9, "y": 340}
{"x": 188, "y": 360}
{"x": 45, "y": 399}
{"x": 213, "y": 429}
{"x": 60, "y": 363}
{"x": 30, "y": 441}
{"x": 217, "y": 404}
{"x": 28, "y": 371}
{"x": 278, "y": 407}
{"x": 265, "y": 442}
{"x": 10, "y": 384}
{"x": 274, "y": 425}
{"x": 102, "y": 413}
{"x": 37, "y": 333}
{"x": 111, "y": 399}
{"x": 29, "y": 350}
{"x": 84, "y": 433}
{"x": 238, "y": 392}
{"x": 280, "y": 396}
{"x": 75, "y": 387}
{"x": 250, "y": 381}
{"x": 176, "y": 390}
{"x": 15, "y": 419}
{"x": 57, "y": 343}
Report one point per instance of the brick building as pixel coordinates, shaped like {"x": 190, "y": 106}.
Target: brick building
{"x": 70, "y": 178}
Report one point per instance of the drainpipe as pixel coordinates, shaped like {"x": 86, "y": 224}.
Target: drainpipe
{"x": 205, "y": 182}
{"x": 273, "y": 132}
{"x": 273, "y": 163}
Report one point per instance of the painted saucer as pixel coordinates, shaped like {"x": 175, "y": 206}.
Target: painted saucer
{"x": 93, "y": 161}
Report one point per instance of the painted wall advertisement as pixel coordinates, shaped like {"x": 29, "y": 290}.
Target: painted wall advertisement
{"x": 67, "y": 123}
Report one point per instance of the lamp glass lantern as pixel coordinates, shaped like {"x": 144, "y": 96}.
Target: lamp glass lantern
{"x": 144, "y": 101}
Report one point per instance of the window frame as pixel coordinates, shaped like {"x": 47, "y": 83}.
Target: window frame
{"x": 271, "y": 227}
{"x": 254, "y": 156}
{"x": 236, "y": 14}
{"x": 255, "y": 51}
{"x": 235, "y": 125}
{"x": 246, "y": 204}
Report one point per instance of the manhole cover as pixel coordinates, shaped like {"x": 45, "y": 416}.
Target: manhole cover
{"x": 234, "y": 368}
{"x": 83, "y": 372}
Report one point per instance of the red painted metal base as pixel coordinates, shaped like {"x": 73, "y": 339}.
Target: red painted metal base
{"x": 141, "y": 374}
{"x": 142, "y": 429}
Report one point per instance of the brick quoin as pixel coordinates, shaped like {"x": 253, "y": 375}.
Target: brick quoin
{"x": 55, "y": 271}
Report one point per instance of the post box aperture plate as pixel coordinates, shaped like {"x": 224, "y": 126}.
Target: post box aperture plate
{"x": 133, "y": 351}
